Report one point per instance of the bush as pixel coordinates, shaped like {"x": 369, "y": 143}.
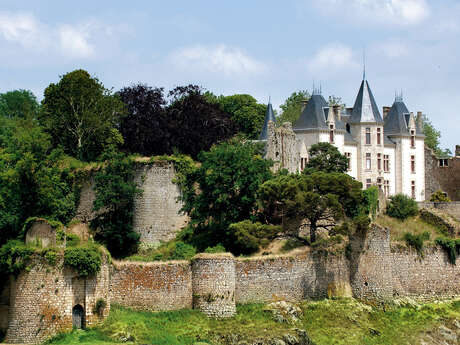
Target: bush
{"x": 72, "y": 240}
{"x": 344, "y": 229}
{"x": 439, "y": 196}
{"x": 291, "y": 244}
{"x": 371, "y": 201}
{"x": 182, "y": 251}
{"x": 435, "y": 220}
{"x": 402, "y": 207}
{"x": 250, "y": 236}
{"x": 219, "y": 248}
{"x": 451, "y": 246}
{"x": 99, "y": 307}
{"x": 361, "y": 224}
{"x": 14, "y": 256}
{"x": 50, "y": 255}
{"x": 416, "y": 241}
{"x": 86, "y": 261}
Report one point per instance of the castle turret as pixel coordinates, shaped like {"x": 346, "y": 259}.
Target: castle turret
{"x": 269, "y": 116}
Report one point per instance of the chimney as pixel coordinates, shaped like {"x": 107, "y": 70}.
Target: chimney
{"x": 457, "y": 150}
{"x": 419, "y": 120}
{"x": 304, "y": 104}
{"x": 386, "y": 110}
{"x": 336, "y": 109}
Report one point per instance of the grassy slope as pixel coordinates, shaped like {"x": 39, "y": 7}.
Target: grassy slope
{"x": 344, "y": 321}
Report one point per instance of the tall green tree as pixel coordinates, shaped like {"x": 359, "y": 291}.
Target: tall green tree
{"x": 18, "y": 104}
{"x": 226, "y": 183}
{"x": 432, "y": 136}
{"x": 80, "y": 114}
{"x": 326, "y": 157}
{"x": 320, "y": 198}
{"x": 292, "y": 107}
{"x": 33, "y": 182}
{"x": 245, "y": 112}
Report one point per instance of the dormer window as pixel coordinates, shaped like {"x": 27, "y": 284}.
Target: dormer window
{"x": 412, "y": 138}
{"x": 368, "y": 136}
{"x": 331, "y": 134}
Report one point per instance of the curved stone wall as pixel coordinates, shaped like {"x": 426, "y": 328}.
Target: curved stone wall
{"x": 213, "y": 284}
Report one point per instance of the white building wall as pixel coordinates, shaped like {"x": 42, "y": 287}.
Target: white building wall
{"x": 391, "y": 175}
{"x": 420, "y": 169}
{"x": 353, "y": 149}
{"x": 407, "y": 175}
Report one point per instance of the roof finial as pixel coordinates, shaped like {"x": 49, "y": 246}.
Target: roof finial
{"x": 364, "y": 63}
{"x": 320, "y": 88}
{"x": 269, "y": 99}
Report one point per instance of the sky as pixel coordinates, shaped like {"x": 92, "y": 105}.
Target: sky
{"x": 262, "y": 48}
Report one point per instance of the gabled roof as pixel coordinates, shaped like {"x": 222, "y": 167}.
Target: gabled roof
{"x": 313, "y": 116}
{"x": 397, "y": 120}
{"x": 365, "y": 108}
{"x": 269, "y": 116}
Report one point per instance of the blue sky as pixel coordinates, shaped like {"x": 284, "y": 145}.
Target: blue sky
{"x": 258, "y": 47}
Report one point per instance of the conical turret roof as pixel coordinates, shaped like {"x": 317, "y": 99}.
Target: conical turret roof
{"x": 269, "y": 116}
{"x": 365, "y": 108}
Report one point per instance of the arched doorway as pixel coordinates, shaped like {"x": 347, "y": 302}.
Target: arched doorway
{"x": 78, "y": 317}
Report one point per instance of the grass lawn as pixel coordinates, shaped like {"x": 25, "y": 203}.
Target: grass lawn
{"x": 342, "y": 321}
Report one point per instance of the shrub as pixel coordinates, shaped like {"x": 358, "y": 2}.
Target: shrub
{"x": 416, "y": 241}
{"x": 250, "y": 236}
{"x": 343, "y": 229}
{"x": 182, "y": 251}
{"x": 72, "y": 240}
{"x": 435, "y": 220}
{"x": 84, "y": 260}
{"x": 50, "y": 255}
{"x": 361, "y": 224}
{"x": 219, "y": 248}
{"x": 14, "y": 256}
{"x": 439, "y": 196}
{"x": 371, "y": 201}
{"x": 451, "y": 246}
{"x": 402, "y": 207}
{"x": 291, "y": 244}
{"x": 99, "y": 307}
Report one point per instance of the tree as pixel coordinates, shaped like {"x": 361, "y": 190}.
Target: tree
{"x": 326, "y": 157}
{"x": 80, "y": 114}
{"x": 33, "y": 181}
{"x": 320, "y": 198}
{"x": 18, "y": 104}
{"x": 292, "y": 107}
{"x": 245, "y": 112}
{"x": 432, "y": 136}
{"x": 195, "y": 124}
{"x": 226, "y": 183}
{"x": 145, "y": 128}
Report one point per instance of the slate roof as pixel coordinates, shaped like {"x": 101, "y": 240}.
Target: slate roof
{"x": 365, "y": 108}
{"x": 313, "y": 116}
{"x": 397, "y": 120}
{"x": 269, "y": 116}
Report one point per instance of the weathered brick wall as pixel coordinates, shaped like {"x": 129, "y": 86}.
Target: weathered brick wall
{"x": 371, "y": 265}
{"x": 152, "y": 286}
{"x": 282, "y": 147}
{"x": 451, "y": 208}
{"x": 430, "y": 277}
{"x": 4, "y": 304}
{"x": 446, "y": 179}
{"x": 85, "y": 211}
{"x": 292, "y": 278}
{"x": 213, "y": 281}
{"x": 42, "y": 298}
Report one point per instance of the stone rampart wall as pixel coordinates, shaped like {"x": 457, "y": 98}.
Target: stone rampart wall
{"x": 288, "y": 277}
{"x": 445, "y": 178}
{"x": 41, "y": 300}
{"x": 152, "y": 286}
{"x": 451, "y": 208}
{"x": 157, "y": 214}
{"x": 430, "y": 277}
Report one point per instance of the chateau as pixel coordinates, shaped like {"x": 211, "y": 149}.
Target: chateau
{"x": 386, "y": 151}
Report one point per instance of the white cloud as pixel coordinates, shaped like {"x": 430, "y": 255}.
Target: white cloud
{"x": 332, "y": 58}
{"x": 217, "y": 59}
{"x": 74, "y": 42}
{"x": 22, "y": 28}
{"x": 400, "y": 12}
